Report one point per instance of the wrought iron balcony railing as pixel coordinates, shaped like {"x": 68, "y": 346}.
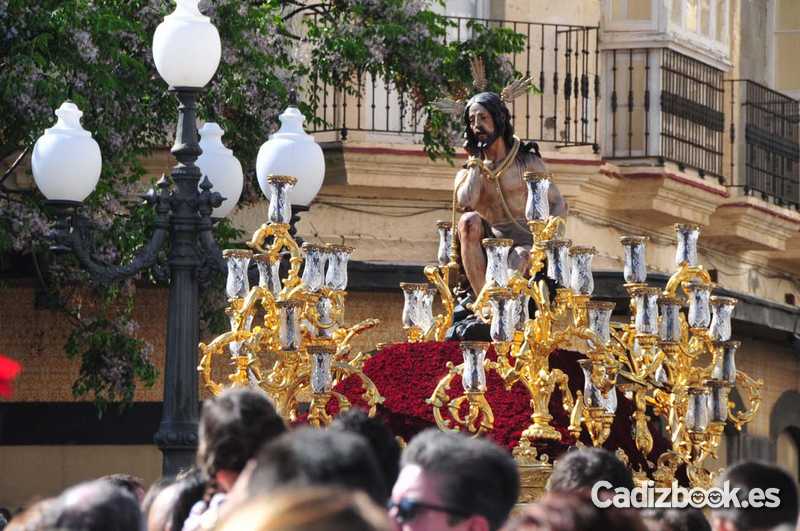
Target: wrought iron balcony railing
{"x": 765, "y": 142}
{"x": 563, "y": 59}
{"x": 664, "y": 105}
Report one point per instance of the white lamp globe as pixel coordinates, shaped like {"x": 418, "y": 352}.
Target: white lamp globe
{"x": 186, "y": 47}
{"x": 221, "y": 167}
{"x": 66, "y": 160}
{"x": 293, "y": 152}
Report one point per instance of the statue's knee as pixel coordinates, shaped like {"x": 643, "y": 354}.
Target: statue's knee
{"x": 470, "y": 227}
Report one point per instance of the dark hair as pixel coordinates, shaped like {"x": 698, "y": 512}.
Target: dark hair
{"x": 475, "y": 475}
{"x": 574, "y": 511}
{"x": 233, "y": 426}
{"x": 751, "y": 475}
{"x": 309, "y": 457}
{"x": 501, "y": 117}
{"x": 131, "y": 483}
{"x": 190, "y": 490}
{"x": 95, "y": 506}
{"x": 581, "y": 469}
{"x": 379, "y": 437}
{"x": 688, "y": 519}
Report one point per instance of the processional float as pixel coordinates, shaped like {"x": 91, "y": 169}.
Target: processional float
{"x": 676, "y": 365}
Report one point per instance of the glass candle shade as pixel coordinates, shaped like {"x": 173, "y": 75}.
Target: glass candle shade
{"x": 697, "y": 409}
{"x": 721, "y": 313}
{"x": 425, "y": 307}
{"x": 557, "y": 252}
{"x": 237, "y": 285}
{"x": 522, "y": 312}
{"x": 600, "y": 319}
{"x": 497, "y": 250}
{"x": 646, "y": 301}
{"x": 686, "y": 248}
{"x": 235, "y": 346}
{"x": 289, "y": 324}
{"x": 537, "y": 206}
{"x": 504, "y": 315}
{"x": 314, "y": 270}
{"x": 280, "y": 208}
{"x": 324, "y": 308}
{"x": 660, "y": 375}
{"x": 321, "y": 358}
{"x": 410, "y": 303}
{"x": 592, "y": 396}
{"x": 473, "y": 378}
{"x": 610, "y": 401}
{"x": 635, "y": 270}
{"x": 268, "y": 273}
{"x": 580, "y": 279}
{"x": 718, "y": 400}
{"x": 669, "y": 327}
{"x": 699, "y": 314}
{"x": 445, "y": 229}
{"x": 338, "y": 258}
{"x": 725, "y": 368}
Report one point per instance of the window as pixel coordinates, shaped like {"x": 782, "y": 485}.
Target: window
{"x": 631, "y": 10}
{"x": 787, "y": 42}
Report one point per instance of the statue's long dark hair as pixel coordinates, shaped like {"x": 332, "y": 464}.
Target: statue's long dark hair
{"x": 501, "y": 117}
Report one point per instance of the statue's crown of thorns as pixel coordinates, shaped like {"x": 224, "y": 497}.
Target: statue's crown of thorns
{"x": 515, "y": 89}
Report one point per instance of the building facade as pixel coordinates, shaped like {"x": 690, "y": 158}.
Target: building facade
{"x": 652, "y": 112}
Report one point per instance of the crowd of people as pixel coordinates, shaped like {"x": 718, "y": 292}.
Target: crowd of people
{"x": 254, "y": 473}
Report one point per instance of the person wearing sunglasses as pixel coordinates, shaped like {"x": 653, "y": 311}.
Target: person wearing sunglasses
{"x": 452, "y": 482}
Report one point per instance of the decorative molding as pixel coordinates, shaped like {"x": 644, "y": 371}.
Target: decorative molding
{"x": 750, "y": 224}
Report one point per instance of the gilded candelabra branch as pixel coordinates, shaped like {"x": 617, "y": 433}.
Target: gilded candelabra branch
{"x": 293, "y": 326}
{"x": 673, "y": 362}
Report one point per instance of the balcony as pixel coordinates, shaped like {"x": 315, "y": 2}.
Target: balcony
{"x": 562, "y": 58}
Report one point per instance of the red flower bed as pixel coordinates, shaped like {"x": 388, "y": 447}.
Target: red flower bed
{"x": 407, "y": 373}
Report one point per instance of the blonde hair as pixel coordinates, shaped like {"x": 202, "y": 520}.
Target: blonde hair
{"x": 309, "y": 509}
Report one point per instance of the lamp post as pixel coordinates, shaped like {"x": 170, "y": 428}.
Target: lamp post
{"x": 66, "y": 164}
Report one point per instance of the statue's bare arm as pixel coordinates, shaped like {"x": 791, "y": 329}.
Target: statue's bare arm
{"x": 468, "y": 188}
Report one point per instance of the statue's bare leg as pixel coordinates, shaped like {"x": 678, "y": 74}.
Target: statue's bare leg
{"x": 470, "y": 233}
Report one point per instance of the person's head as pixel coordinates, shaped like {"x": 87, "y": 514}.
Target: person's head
{"x": 309, "y": 509}
{"x": 573, "y": 511}
{"x": 450, "y": 481}
{"x": 34, "y": 516}
{"x": 309, "y": 457}
{"x": 486, "y": 119}
{"x": 95, "y": 506}
{"x": 582, "y": 468}
{"x": 132, "y": 484}
{"x": 752, "y": 476}
{"x": 159, "y": 512}
{"x": 374, "y": 430}
{"x": 688, "y": 519}
{"x": 233, "y": 426}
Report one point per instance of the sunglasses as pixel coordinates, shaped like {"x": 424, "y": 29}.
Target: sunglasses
{"x": 409, "y": 508}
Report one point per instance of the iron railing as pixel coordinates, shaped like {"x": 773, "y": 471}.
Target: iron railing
{"x": 666, "y": 105}
{"x": 562, "y": 58}
{"x": 766, "y": 158}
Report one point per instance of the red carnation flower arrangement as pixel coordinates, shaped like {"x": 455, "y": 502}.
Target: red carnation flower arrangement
{"x": 407, "y": 373}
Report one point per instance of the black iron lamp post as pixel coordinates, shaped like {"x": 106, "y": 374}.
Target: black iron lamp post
{"x": 66, "y": 165}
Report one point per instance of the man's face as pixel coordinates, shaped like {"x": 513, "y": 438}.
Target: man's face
{"x": 481, "y": 124}
{"x": 415, "y": 485}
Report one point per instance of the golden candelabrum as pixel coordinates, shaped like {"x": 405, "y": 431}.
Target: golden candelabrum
{"x": 287, "y": 335}
{"x": 674, "y": 365}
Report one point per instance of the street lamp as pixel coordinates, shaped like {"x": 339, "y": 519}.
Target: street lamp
{"x": 66, "y": 165}
{"x": 292, "y": 151}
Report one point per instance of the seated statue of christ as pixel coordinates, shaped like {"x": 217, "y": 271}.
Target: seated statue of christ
{"x": 493, "y": 194}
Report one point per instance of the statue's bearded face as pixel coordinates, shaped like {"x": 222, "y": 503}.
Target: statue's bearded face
{"x": 481, "y": 125}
